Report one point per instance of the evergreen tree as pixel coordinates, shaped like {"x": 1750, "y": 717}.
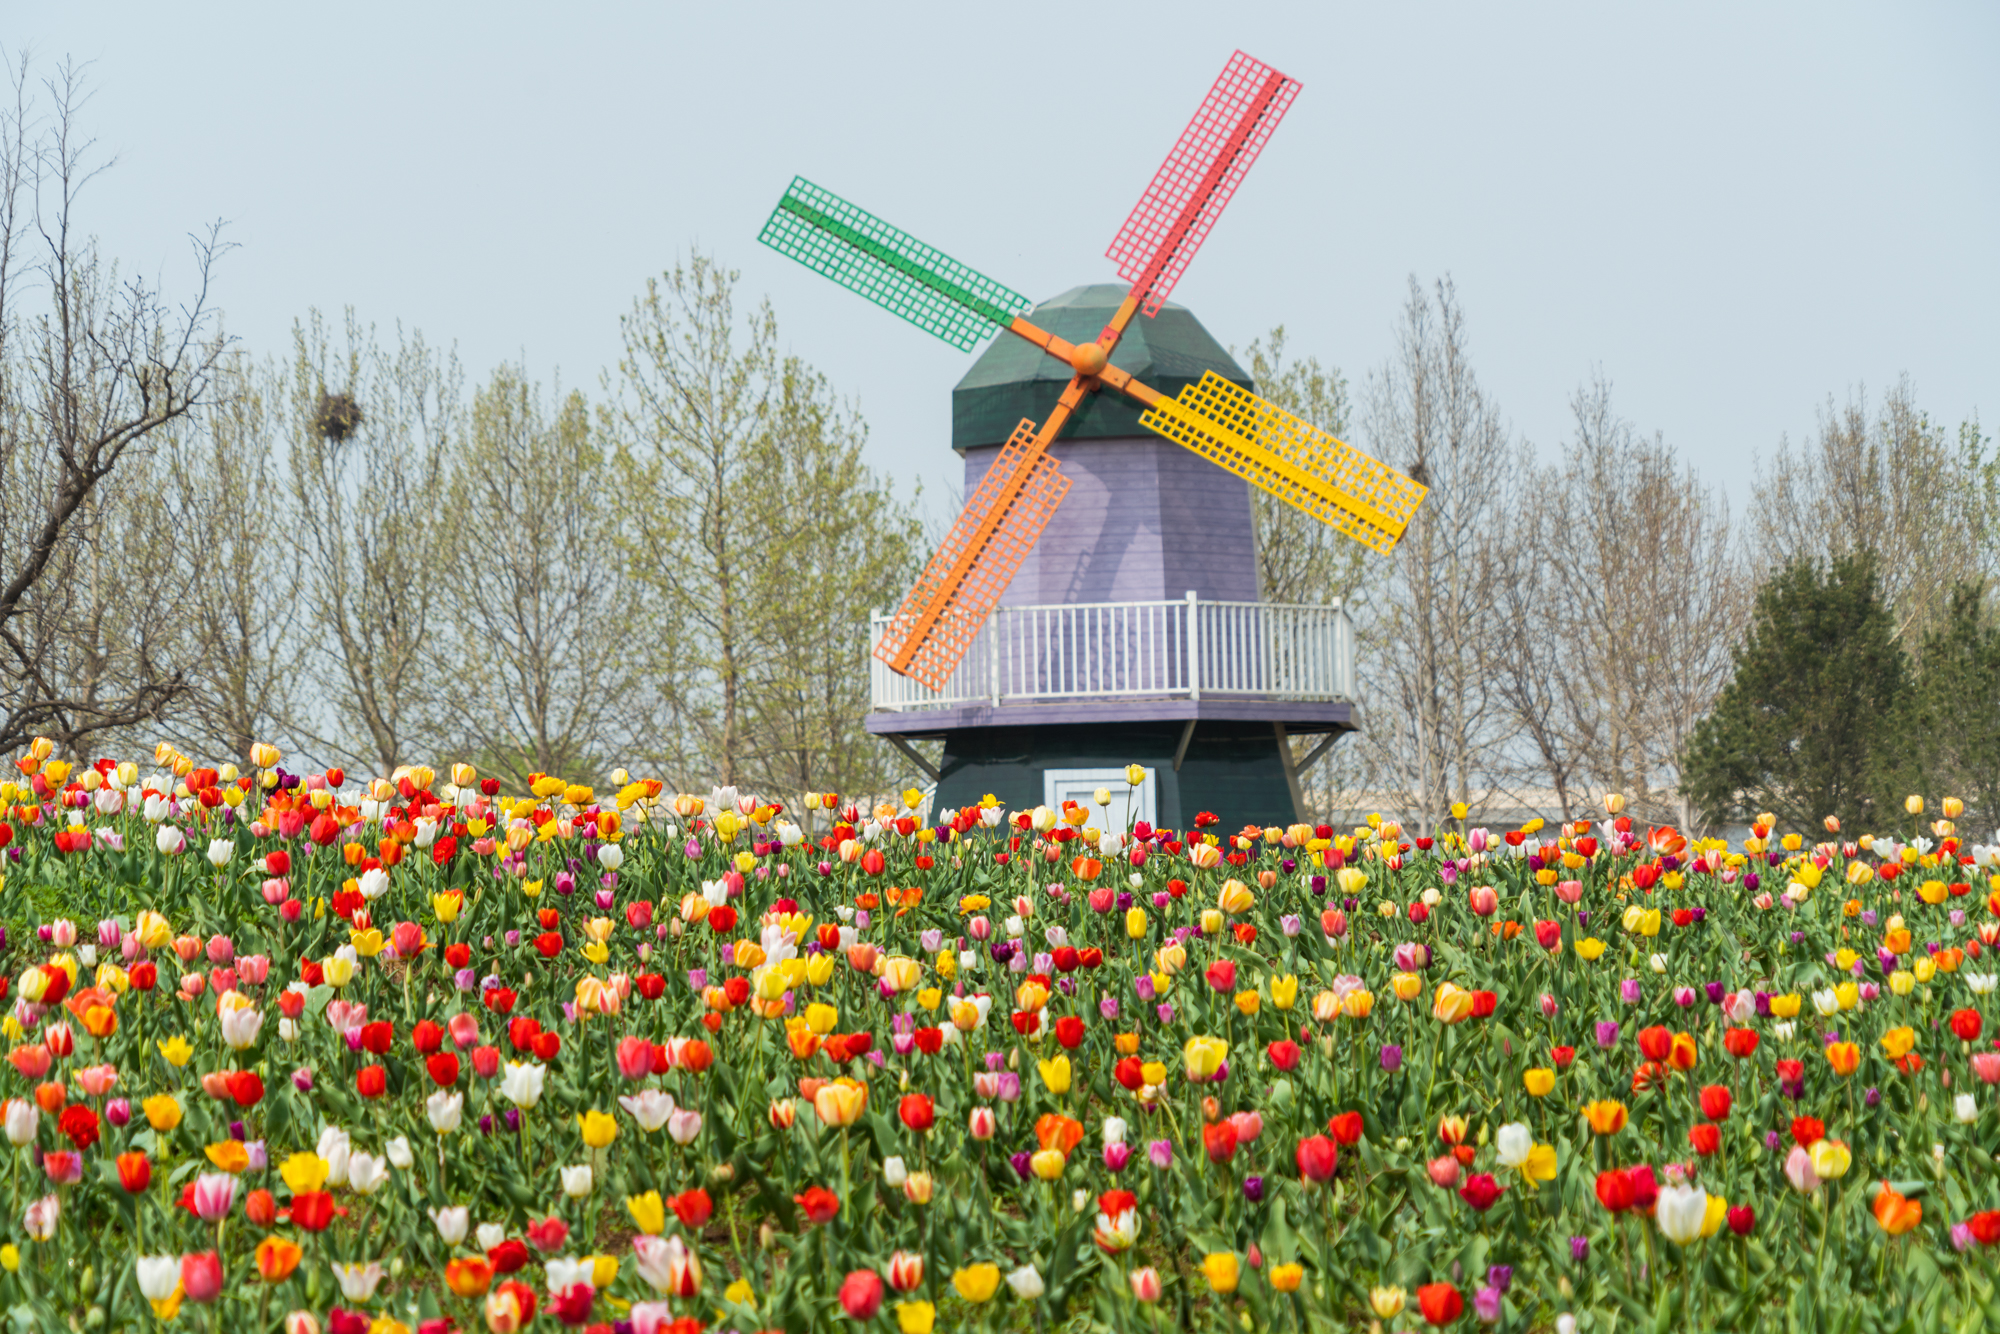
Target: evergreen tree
{"x": 1949, "y": 730}
{"x": 1803, "y": 729}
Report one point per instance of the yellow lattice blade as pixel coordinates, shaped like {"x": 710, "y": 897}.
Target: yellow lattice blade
{"x": 1292, "y": 459}
{"x": 942, "y": 615}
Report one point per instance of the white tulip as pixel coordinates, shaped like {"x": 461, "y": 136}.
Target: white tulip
{"x": 576, "y": 1183}
{"x": 1514, "y": 1142}
{"x": 489, "y": 1235}
{"x": 1026, "y": 1283}
{"x": 336, "y": 1149}
{"x": 220, "y": 850}
{"x": 1680, "y": 1212}
{"x": 894, "y": 1173}
{"x": 445, "y": 1111}
{"x": 159, "y": 1275}
{"x": 451, "y": 1223}
{"x": 170, "y": 841}
{"x": 611, "y": 856}
{"x": 366, "y": 1173}
{"x": 1966, "y": 1108}
{"x": 398, "y": 1152}
{"x": 649, "y": 1107}
{"x": 358, "y": 1282}
{"x": 522, "y": 1084}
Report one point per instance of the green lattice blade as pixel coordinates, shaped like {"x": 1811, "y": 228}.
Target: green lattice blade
{"x": 890, "y": 267}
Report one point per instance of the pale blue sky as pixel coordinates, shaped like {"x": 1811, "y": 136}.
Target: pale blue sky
{"x": 1735, "y": 210}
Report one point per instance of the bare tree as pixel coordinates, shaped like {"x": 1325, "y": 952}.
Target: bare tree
{"x": 1623, "y": 594}
{"x": 839, "y": 543}
{"x": 1895, "y": 481}
{"x": 370, "y": 428}
{"x": 542, "y": 626}
{"x": 1438, "y": 730}
{"x": 244, "y": 610}
{"x": 92, "y": 368}
{"x": 693, "y": 406}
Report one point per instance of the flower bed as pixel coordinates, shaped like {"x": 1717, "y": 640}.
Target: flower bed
{"x": 295, "y": 1053}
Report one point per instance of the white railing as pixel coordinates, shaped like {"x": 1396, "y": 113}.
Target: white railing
{"x": 1185, "y": 649}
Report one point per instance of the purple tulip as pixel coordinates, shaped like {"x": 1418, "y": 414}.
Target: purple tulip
{"x": 1392, "y": 1058}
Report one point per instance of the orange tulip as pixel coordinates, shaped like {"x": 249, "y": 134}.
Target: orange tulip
{"x": 1844, "y": 1057}
{"x": 1896, "y": 1214}
{"x": 276, "y": 1259}
{"x": 1682, "y": 1053}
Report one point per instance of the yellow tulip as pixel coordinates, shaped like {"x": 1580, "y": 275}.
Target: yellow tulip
{"x": 1235, "y": 897}
{"x": 1055, "y": 1074}
{"x": 1540, "y": 1164}
{"x": 1451, "y": 1003}
{"x": 1135, "y": 923}
{"x": 1357, "y": 1004}
{"x": 648, "y": 1212}
{"x": 1204, "y": 1056}
{"x": 1830, "y": 1159}
{"x": 978, "y": 1283}
{"x": 841, "y": 1102}
{"x": 163, "y": 1112}
{"x": 338, "y": 970}
{"x": 1539, "y": 1082}
{"x": 599, "y": 1129}
{"x": 1249, "y": 1002}
{"x": 176, "y": 1051}
{"x": 1221, "y": 1270}
{"x": 821, "y": 1018}
{"x": 1786, "y": 1006}
{"x": 1284, "y": 991}
{"x": 1589, "y": 948}
{"x": 1407, "y": 986}
{"x": 304, "y": 1172}
{"x": 915, "y": 1317}
{"x": 1048, "y": 1164}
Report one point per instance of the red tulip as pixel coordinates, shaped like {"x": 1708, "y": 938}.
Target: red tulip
{"x": 378, "y": 1037}
{"x": 201, "y": 1275}
{"x": 1222, "y": 975}
{"x": 246, "y": 1088}
{"x": 1480, "y": 1191}
{"x": 1645, "y": 1188}
{"x": 861, "y": 1292}
{"x": 1069, "y": 1031}
{"x": 135, "y": 1172}
{"x": 371, "y": 1081}
{"x": 1965, "y": 1024}
{"x": 312, "y": 1210}
{"x": 1440, "y": 1303}
{"x": 1741, "y": 1219}
{"x": 1807, "y": 1131}
{"x": 1705, "y": 1138}
{"x": 1346, "y": 1127}
{"x": 1218, "y": 1139}
{"x": 548, "y": 1234}
{"x": 1655, "y": 1042}
{"x": 260, "y": 1208}
{"x": 1318, "y": 1156}
{"x": 442, "y": 1068}
{"x": 572, "y": 1305}
{"x": 917, "y": 1112}
{"x": 1715, "y": 1102}
{"x": 1614, "y": 1190}
{"x": 818, "y": 1204}
{"x": 509, "y": 1257}
{"x": 426, "y": 1037}
{"x": 692, "y": 1207}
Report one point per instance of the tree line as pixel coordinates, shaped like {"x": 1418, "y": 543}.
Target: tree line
{"x": 344, "y": 548}
{"x": 1559, "y": 624}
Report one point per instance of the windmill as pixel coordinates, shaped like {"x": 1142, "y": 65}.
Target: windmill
{"x": 1006, "y": 514}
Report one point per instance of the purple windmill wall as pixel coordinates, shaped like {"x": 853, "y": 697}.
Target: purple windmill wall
{"x": 1144, "y": 520}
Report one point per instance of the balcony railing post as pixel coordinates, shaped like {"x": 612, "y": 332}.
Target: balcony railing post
{"x": 994, "y": 636}
{"x": 1193, "y": 647}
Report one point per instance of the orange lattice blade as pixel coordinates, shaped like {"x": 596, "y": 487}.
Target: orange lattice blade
{"x": 941, "y": 616}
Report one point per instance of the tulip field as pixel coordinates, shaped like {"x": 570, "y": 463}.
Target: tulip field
{"x": 295, "y": 1052}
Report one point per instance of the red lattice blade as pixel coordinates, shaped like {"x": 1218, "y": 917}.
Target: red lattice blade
{"x": 939, "y": 619}
{"x": 1193, "y": 185}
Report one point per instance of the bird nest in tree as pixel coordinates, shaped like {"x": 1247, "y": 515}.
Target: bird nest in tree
{"x": 337, "y": 418}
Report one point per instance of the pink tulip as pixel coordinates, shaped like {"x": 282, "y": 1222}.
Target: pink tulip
{"x": 635, "y": 1058}
{"x": 1444, "y": 1171}
{"x": 214, "y": 1194}
{"x": 1987, "y": 1066}
{"x": 464, "y": 1031}
{"x": 1248, "y": 1126}
{"x": 192, "y": 984}
{"x": 221, "y": 949}
{"x": 201, "y": 1275}
{"x": 277, "y": 890}
{"x": 252, "y": 969}
{"x": 97, "y": 1080}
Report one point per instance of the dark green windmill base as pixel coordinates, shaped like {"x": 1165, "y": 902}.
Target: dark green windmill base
{"x": 1230, "y": 769}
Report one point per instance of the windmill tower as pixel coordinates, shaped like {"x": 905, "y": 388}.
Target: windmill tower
{"x": 1101, "y": 609}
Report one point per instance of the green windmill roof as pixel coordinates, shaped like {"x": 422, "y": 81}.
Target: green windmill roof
{"x": 1014, "y": 379}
